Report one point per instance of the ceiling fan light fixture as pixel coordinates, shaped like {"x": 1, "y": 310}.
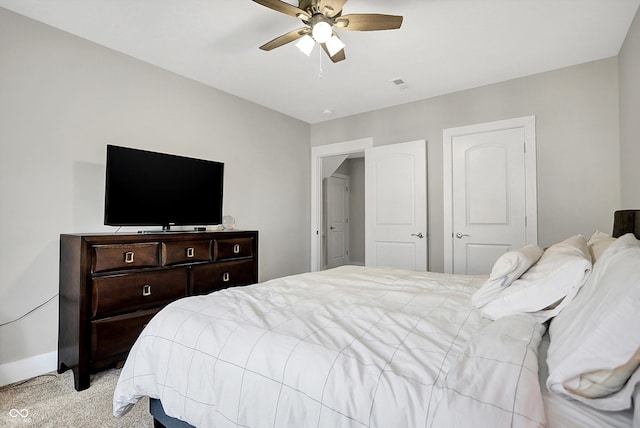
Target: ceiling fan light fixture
{"x": 306, "y": 44}
{"x": 321, "y": 31}
{"x": 334, "y": 45}
{"x": 319, "y": 18}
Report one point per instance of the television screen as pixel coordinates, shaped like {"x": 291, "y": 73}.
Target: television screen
{"x": 146, "y": 188}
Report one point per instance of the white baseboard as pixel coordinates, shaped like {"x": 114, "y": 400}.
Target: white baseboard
{"x": 16, "y": 371}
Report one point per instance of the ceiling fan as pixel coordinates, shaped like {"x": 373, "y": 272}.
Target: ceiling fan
{"x": 320, "y": 18}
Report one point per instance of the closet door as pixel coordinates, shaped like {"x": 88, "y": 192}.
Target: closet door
{"x": 337, "y": 218}
{"x": 489, "y": 193}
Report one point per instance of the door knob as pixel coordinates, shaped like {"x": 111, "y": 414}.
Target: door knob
{"x": 419, "y": 235}
{"x": 460, "y": 235}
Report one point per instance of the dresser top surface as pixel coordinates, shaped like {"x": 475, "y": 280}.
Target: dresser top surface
{"x": 98, "y": 238}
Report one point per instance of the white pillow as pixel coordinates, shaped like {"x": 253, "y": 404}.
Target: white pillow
{"x": 599, "y": 333}
{"x": 548, "y": 285}
{"x": 599, "y": 242}
{"x": 509, "y": 267}
{"x": 599, "y": 383}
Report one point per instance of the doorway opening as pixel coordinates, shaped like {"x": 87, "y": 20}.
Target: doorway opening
{"x": 343, "y": 215}
{"x": 325, "y": 160}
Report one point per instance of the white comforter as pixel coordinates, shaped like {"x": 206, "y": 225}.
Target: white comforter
{"x": 352, "y": 346}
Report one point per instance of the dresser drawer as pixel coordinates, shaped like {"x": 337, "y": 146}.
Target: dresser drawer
{"x": 208, "y": 278}
{"x": 185, "y": 252}
{"x": 232, "y": 248}
{"x": 130, "y": 292}
{"x": 126, "y": 256}
{"x": 116, "y": 335}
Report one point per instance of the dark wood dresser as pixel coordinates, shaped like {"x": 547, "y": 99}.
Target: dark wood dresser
{"x": 111, "y": 285}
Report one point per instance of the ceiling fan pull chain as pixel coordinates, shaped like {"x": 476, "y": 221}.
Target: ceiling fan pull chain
{"x": 320, "y": 63}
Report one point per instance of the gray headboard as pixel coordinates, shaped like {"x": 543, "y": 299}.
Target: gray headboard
{"x": 626, "y": 221}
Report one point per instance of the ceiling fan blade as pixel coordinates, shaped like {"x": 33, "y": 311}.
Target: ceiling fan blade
{"x": 335, "y": 7}
{"x": 368, "y": 22}
{"x": 285, "y": 8}
{"x": 339, "y": 56}
{"x": 285, "y": 38}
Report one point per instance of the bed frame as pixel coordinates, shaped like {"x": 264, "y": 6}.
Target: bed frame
{"x": 160, "y": 418}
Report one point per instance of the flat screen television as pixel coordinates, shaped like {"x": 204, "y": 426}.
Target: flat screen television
{"x": 146, "y": 188}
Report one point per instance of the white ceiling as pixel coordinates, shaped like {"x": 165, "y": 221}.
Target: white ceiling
{"x": 443, "y": 46}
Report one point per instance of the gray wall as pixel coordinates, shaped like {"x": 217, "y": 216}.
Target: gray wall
{"x": 629, "y": 66}
{"x": 578, "y": 154}
{"x": 356, "y": 208}
{"x": 63, "y": 99}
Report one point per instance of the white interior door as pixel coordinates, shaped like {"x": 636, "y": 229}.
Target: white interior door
{"x": 337, "y": 220}
{"x": 489, "y": 195}
{"x": 396, "y": 206}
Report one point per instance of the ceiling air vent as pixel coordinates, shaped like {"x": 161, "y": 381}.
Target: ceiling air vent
{"x": 399, "y": 82}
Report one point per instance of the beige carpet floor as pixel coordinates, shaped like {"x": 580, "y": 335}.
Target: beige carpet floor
{"x": 51, "y": 401}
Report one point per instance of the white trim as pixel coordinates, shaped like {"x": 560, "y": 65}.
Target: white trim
{"x": 16, "y": 371}
{"x": 447, "y": 196}
{"x": 528, "y": 123}
{"x": 317, "y": 153}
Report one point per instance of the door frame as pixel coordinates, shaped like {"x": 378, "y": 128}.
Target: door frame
{"x": 528, "y": 123}
{"x": 317, "y": 154}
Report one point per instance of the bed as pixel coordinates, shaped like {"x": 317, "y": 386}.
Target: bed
{"x": 379, "y": 347}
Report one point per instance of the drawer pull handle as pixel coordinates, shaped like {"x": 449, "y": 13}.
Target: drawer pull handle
{"x": 225, "y": 277}
{"x": 236, "y": 248}
{"x": 191, "y": 252}
{"x": 146, "y": 290}
{"x": 128, "y": 257}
